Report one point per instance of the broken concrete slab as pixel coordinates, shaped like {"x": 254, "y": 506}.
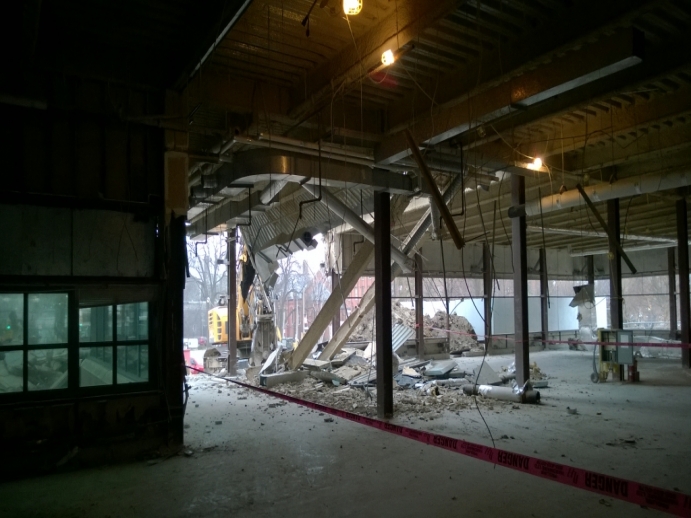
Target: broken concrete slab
{"x": 346, "y": 372}
{"x": 440, "y": 369}
{"x": 316, "y": 365}
{"x": 485, "y": 375}
{"x": 271, "y": 380}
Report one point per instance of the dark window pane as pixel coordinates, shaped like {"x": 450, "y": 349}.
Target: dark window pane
{"x": 133, "y": 321}
{"x": 11, "y": 319}
{"x": 133, "y": 363}
{"x": 95, "y": 366}
{"x": 96, "y": 324}
{"x": 48, "y": 369}
{"x": 11, "y": 371}
{"x": 47, "y": 318}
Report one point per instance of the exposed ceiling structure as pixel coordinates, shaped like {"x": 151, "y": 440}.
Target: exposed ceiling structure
{"x": 599, "y": 91}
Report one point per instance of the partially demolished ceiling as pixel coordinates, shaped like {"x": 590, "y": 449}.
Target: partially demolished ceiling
{"x": 599, "y": 91}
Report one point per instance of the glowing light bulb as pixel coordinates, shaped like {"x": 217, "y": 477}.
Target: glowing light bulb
{"x": 387, "y": 58}
{"x": 536, "y": 165}
{"x": 352, "y": 7}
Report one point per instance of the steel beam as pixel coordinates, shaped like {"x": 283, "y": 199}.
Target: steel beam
{"x": 520, "y": 283}
{"x": 339, "y": 209}
{"x": 382, "y": 295}
{"x": 616, "y": 310}
{"x": 419, "y": 301}
{"x": 336, "y": 285}
{"x": 614, "y": 53}
{"x": 683, "y": 252}
{"x": 332, "y": 305}
{"x": 590, "y": 260}
{"x": 672, "y": 283}
{"x": 544, "y": 296}
{"x": 232, "y": 302}
{"x": 487, "y": 290}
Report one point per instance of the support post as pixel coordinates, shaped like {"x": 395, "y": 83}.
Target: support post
{"x": 175, "y": 361}
{"x": 335, "y": 282}
{"x": 419, "y": 316}
{"x": 590, "y": 260}
{"x": 520, "y": 283}
{"x": 232, "y": 303}
{"x": 616, "y": 310}
{"x": 382, "y": 290}
{"x": 544, "y": 297}
{"x": 672, "y": 277}
{"x": 487, "y": 290}
{"x": 683, "y": 259}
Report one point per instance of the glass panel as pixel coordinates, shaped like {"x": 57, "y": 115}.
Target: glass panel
{"x": 95, "y": 366}
{"x": 47, "y": 318}
{"x": 133, "y": 321}
{"x": 11, "y": 371}
{"x": 96, "y": 324}
{"x": 12, "y": 319}
{"x": 48, "y": 369}
{"x": 133, "y": 363}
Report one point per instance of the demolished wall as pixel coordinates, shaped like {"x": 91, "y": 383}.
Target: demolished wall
{"x": 462, "y": 335}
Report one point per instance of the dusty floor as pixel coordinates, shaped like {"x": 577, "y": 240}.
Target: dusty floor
{"x": 266, "y": 458}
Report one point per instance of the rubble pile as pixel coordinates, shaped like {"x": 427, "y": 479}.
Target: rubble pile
{"x": 462, "y": 335}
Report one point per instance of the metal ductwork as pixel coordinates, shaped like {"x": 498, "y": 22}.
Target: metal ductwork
{"x": 634, "y": 186}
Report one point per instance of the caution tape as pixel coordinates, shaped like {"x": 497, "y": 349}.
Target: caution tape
{"x": 634, "y": 492}
{"x": 675, "y": 345}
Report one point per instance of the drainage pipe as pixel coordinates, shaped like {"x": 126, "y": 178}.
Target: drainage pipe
{"x": 503, "y": 393}
{"x": 643, "y": 184}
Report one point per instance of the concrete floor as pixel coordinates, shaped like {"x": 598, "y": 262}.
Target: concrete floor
{"x": 267, "y": 458}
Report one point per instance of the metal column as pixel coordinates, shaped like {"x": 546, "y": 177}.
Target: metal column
{"x": 544, "y": 297}
{"x": 335, "y": 281}
{"x": 591, "y": 270}
{"x": 683, "y": 260}
{"x": 232, "y": 303}
{"x": 419, "y": 315}
{"x": 487, "y": 290}
{"x": 382, "y": 295}
{"x": 672, "y": 276}
{"x": 616, "y": 310}
{"x": 174, "y": 358}
{"x": 520, "y": 283}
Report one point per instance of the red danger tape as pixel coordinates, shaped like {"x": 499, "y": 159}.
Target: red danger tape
{"x": 647, "y": 496}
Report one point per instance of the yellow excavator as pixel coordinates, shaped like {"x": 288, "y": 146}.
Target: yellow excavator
{"x": 251, "y": 315}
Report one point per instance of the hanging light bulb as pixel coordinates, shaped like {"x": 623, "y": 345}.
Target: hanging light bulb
{"x": 387, "y": 58}
{"x": 352, "y": 7}
{"x": 536, "y": 164}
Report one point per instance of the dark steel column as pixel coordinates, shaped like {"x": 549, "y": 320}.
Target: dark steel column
{"x": 419, "y": 315}
{"x": 590, "y": 260}
{"x": 173, "y": 318}
{"x": 335, "y": 285}
{"x": 487, "y": 290}
{"x": 616, "y": 309}
{"x": 683, "y": 259}
{"x": 544, "y": 296}
{"x": 672, "y": 276}
{"x": 382, "y": 297}
{"x": 232, "y": 303}
{"x": 520, "y": 283}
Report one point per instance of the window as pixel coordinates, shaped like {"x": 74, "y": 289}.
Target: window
{"x": 119, "y": 359}
{"x": 42, "y": 340}
{"x": 33, "y": 346}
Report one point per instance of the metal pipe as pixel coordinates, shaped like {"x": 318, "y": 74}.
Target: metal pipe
{"x": 502, "y": 393}
{"x": 634, "y": 186}
{"x": 339, "y": 209}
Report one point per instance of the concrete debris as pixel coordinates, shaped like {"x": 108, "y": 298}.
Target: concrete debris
{"x": 315, "y": 365}
{"x": 485, "y": 375}
{"x": 440, "y": 369}
{"x": 535, "y": 372}
{"x": 461, "y": 336}
{"x": 271, "y": 380}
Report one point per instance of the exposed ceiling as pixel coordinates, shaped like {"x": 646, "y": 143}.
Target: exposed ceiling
{"x": 600, "y": 91}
